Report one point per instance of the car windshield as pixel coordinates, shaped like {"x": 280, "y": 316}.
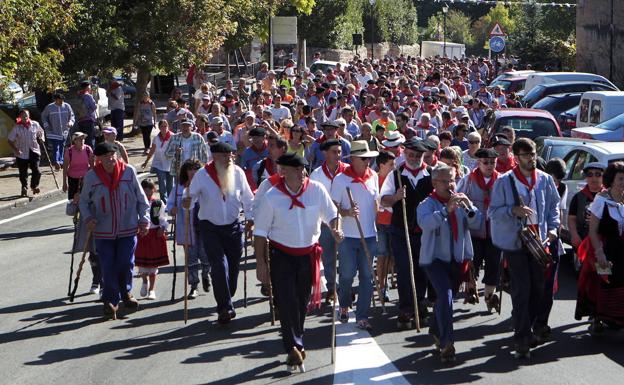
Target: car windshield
{"x": 529, "y": 127}
{"x": 613, "y": 123}
{"x": 503, "y": 83}
{"x": 546, "y": 103}
{"x": 533, "y": 95}
{"x": 321, "y": 66}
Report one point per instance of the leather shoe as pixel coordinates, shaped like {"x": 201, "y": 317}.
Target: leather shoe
{"x": 130, "y": 302}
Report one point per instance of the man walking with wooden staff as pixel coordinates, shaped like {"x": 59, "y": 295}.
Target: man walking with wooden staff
{"x": 357, "y": 183}
{"x": 403, "y": 190}
{"x": 290, "y": 216}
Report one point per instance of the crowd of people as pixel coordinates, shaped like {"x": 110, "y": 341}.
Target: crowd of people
{"x": 371, "y": 161}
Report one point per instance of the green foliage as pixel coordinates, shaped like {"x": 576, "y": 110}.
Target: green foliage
{"x": 457, "y": 28}
{"x": 482, "y": 27}
{"x": 331, "y": 23}
{"x": 390, "y": 20}
{"x": 24, "y": 25}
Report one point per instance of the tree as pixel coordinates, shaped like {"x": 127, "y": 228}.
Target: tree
{"x": 23, "y": 26}
{"x": 390, "y": 20}
{"x": 457, "y": 28}
{"x": 499, "y": 14}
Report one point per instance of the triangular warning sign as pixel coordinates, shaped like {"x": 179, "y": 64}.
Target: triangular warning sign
{"x": 497, "y": 30}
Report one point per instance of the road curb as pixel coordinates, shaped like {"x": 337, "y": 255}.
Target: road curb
{"x": 21, "y": 202}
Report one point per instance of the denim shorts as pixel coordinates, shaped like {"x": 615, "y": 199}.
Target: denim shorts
{"x": 383, "y": 240}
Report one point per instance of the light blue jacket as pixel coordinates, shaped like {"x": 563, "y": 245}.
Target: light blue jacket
{"x": 437, "y": 239}
{"x": 505, "y": 226}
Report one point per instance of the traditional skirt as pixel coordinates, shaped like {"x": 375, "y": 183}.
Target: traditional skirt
{"x": 151, "y": 250}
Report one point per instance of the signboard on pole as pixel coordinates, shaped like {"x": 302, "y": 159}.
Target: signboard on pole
{"x": 497, "y": 44}
{"x": 284, "y": 30}
{"x": 497, "y": 30}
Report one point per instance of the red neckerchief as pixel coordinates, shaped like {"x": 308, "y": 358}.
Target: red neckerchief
{"x": 211, "y": 169}
{"x": 434, "y": 161}
{"x": 479, "y": 179}
{"x": 321, "y": 139}
{"x": 264, "y": 147}
{"x": 274, "y": 179}
{"x": 420, "y": 125}
{"x": 327, "y": 172}
{"x": 269, "y": 166}
{"x": 452, "y": 216}
{"x": 164, "y": 139}
{"x": 505, "y": 165}
{"x": 294, "y": 201}
{"x": 110, "y": 181}
{"x": 415, "y": 172}
{"x": 523, "y": 179}
{"x": 585, "y": 191}
{"x": 350, "y": 172}
{"x": 26, "y": 123}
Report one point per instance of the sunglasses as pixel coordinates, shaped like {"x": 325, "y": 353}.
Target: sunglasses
{"x": 596, "y": 174}
{"x": 488, "y": 162}
{"x": 474, "y": 141}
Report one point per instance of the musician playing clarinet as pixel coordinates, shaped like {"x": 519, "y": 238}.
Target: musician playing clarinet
{"x": 524, "y": 197}
{"x": 445, "y": 218}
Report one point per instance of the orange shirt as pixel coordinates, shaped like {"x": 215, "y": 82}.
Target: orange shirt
{"x": 384, "y": 216}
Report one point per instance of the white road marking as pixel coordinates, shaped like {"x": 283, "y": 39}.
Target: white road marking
{"x": 20, "y": 216}
{"x": 359, "y": 359}
{"x": 31, "y": 212}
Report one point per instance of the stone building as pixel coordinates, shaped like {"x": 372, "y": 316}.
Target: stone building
{"x": 600, "y": 38}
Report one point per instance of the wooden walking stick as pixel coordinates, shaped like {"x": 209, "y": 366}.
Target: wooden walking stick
{"x": 245, "y": 269}
{"x": 187, "y": 229}
{"x": 409, "y": 256}
{"x": 82, "y": 261}
{"x": 173, "y": 226}
{"x": 368, "y": 256}
{"x": 45, "y": 150}
{"x": 500, "y": 285}
{"x": 271, "y": 303}
{"x": 71, "y": 266}
{"x": 335, "y": 299}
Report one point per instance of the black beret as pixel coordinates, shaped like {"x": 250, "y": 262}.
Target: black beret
{"x": 292, "y": 160}
{"x": 429, "y": 145}
{"x": 370, "y": 81}
{"x": 500, "y": 140}
{"x": 320, "y": 90}
{"x": 486, "y": 153}
{"x": 104, "y": 148}
{"x": 329, "y": 143}
{"x": 330, "y": 124}
{"x": 212, "y": 135}
{"x": 221, "y": 148}
{"x": 415, "y": 145}
{"x": 427, "y": 99}
{"x": 257, "y": 131}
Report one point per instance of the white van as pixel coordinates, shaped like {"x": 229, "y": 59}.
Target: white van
{"x": 598, "y": 106}
{"x": 557, "y": 77}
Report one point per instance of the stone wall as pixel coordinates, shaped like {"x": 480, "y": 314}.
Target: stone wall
{"x": 380, "y": 49}
{"x": 600, "y": 38}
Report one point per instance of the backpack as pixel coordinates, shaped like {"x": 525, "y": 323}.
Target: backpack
{"x": 81, "y": 108}
{"x": 155, "y": 207}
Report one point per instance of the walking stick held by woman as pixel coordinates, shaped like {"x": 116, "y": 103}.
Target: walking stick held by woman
{"x": 333, "y": 338}
{"x": 187, "y": 228}
{"x": 71, "y": 266}
{"x": 245, "y": 270}
{"x": 82, "y": 261}
{"x": 173, "y": 226}
{"x": 409, "y": 256}
{"x": 45, "y": 150}
{"x": 367, "y": 252}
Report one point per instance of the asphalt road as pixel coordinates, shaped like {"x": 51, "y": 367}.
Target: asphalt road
{"x": 46, "y": 340}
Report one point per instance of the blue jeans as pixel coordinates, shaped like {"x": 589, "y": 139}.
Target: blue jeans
{"x": 353, "y": 260}
{"x": 117, "y": 264}
{"x": 57, "y": 151}
{"x": 117, "y": 118}
{"x": 328, "y": 244}
{"x": 443, "y": 277}
{"x": 165, "y": 183}
{"x": 197, "y": 258}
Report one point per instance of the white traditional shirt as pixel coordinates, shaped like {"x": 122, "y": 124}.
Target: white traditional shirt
{"x": 616, "y": 210}
{"x": 294, "y": 226}
{"x": 366, "y": 199}
{"x": 212, "y": 207}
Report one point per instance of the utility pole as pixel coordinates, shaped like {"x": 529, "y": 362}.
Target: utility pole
{"x": 372, "y": 3}
{"x": 445, "y": 9}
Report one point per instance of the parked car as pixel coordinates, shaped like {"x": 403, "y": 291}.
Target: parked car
{"x": 10, "y": 91}
{"x": 610, "y": 131}
{"x": 558, "y": 103}
{"x": 558, "y": 77}
{"x": 567, "y": 120}
{"x": 527, "y": 123}
{"x": 512, "y": 81}
{"x": 597, "y": 107}
{"x": 541, "y": 91}
{"x": 549, "y": 147}
{"x": 323, "y": 65}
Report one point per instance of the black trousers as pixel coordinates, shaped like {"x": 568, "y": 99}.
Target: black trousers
{"x": 147, "y": 135}
{"x": 292, "y": 285}
{"x": 485, "y": 253}
{"x": 527, "y": 288}
{"x": 24, "y": 164}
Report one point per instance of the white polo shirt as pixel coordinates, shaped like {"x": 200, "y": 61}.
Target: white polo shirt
{"x": 212, "y": 207}
{"x": 366, "y": 199}
{"x": 294, "y": 227}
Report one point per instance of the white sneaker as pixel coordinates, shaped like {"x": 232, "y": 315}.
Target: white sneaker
{"x": 95, "y": 289}
{"x": 151, "y": 295}
{"x": 144, "y": 289}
